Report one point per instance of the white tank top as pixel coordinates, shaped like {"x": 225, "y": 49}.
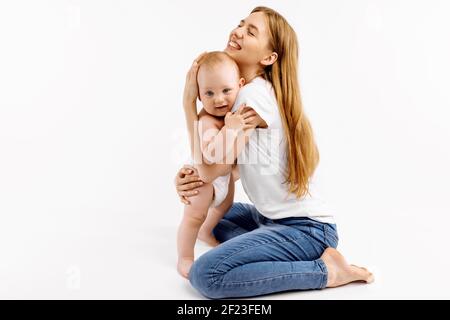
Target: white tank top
{"x": 263, "y": 162}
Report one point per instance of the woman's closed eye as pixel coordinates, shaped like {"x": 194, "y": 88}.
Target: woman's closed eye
{"x": 240, "y": 25}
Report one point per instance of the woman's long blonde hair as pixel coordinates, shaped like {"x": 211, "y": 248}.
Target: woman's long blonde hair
{"x": 303, "y": 155}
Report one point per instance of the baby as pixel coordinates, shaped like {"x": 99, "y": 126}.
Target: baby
{"x": 218, "y": 82}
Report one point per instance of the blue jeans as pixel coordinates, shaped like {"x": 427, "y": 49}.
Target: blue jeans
{"x": 259, "y": 256}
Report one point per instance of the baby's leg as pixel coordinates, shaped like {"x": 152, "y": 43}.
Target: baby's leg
{"x": 193, "y": 217}
{"x": 215, "y": 215}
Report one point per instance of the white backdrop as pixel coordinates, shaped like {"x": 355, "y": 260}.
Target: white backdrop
{"x": 92, "y": 133}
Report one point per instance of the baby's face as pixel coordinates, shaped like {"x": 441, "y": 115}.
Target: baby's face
{"x": 218, "y": 88}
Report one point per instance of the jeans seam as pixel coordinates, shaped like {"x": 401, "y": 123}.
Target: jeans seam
{"x": 324, "y": 269}
{"x": 324, "y": 228}
{"x": 240, "y": 251}
{"x": 275, "y": 277}
{"x": 331, "y": 235}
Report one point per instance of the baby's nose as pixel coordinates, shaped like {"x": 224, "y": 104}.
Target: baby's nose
{"x": 219, "y": 99}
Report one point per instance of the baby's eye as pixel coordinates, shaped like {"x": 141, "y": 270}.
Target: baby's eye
{"x": 209, "y": 93}
{"x": 227, "y": 90}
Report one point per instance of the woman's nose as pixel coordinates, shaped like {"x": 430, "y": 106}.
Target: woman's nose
{"x": 237, "y": 32}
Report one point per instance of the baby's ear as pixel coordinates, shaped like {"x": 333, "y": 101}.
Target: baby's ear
{"x": 241, "y": 82}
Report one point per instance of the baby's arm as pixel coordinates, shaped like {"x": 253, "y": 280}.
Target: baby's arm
{"x": 211, "y": 138}
{"x": 208, "y": 128}
{"x": 220, "y": 138}
{"x": 210, "y": 135}
{"x": 238, "y": 127}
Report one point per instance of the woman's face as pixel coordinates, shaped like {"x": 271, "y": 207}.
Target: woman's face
{"x": 249, "y": 41}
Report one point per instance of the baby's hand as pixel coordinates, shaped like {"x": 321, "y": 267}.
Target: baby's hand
{"x": 241, "y": 119}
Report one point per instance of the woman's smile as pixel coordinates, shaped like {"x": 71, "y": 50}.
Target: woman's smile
{"x": 234, "y": 45}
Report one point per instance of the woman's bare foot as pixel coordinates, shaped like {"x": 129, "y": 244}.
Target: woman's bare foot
{"x": 208, "y": 238}
{"x": 340, "y": 272}
{"x": 184, "y": 265}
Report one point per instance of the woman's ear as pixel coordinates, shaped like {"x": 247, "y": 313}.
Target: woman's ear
{"x": 269, "y": 60}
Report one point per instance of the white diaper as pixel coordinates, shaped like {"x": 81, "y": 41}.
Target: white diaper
{"x": 220, "y": 185}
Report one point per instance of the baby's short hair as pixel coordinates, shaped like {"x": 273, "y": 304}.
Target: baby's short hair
{"x": 214, "y": 58}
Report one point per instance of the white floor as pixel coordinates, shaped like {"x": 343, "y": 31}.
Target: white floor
{"x": 107, "y": 255}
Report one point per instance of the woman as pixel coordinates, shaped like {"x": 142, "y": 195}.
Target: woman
{"x": 287, "y": 239}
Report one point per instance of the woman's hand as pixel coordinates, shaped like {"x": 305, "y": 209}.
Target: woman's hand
{"x": 191, "y": 87}
{"x": 186, "y": 181}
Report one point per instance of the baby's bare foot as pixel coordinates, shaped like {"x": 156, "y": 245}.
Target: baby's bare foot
{"x": 208, "y": 238}
{"x": 184, "y": 265}
{"x": 340, "y": 272}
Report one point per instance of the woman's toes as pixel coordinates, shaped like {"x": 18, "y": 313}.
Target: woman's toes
{"x": 362, "y": 274}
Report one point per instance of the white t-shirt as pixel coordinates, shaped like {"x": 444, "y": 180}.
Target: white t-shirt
{"x": 263, "y": 162}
